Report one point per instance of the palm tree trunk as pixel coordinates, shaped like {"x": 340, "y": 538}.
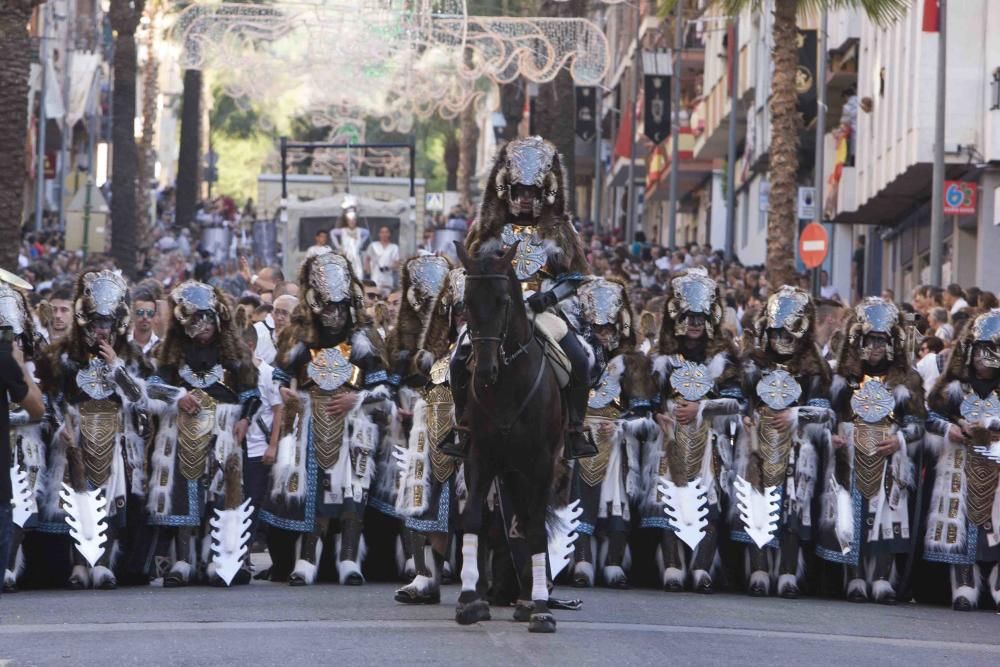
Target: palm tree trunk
{"x": 14, "y": 68}
{"x": 147, "y": 148}
{"x": 187, "y": 159}
{"x": 512, "y": 107}
{"x": 784, "y": 156}
{"x": 452, "y": 153}
{"x": 125, "y": 159}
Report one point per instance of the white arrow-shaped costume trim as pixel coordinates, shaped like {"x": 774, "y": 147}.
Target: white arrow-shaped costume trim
{"x": 686, "y": 509}
{"x": 24, "y": 504}
{"x": 86, "y": 514}
{"x": 562, "y": 534}
{"x": 230, "y": 534}
{"x": 759, "y": 511}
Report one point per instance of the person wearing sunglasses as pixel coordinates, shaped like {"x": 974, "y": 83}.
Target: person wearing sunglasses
{"x": 144, "y": 311}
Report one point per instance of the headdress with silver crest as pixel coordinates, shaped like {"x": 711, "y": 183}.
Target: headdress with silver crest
{"x": 986, "y": 337}
{"x": 195, "y": 306}
{"x": 875, "y": 315}
{"x": 788, "y": 309}
{"x": 102, "y": 294}
{"x": 330, "y": 281}
{"x": 427, "y": 274}
{"x": 529, "y": 162}
{"x": 13, "y": 313}
{"x": 602, "y": 302}
{"x": 694, "y": 292}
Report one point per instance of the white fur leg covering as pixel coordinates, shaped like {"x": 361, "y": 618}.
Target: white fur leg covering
{"x": 882, "y": 589}
{"x": 672, "y": 575}
{"x": 786, "y": 580}
{"x": 470, "y": 562}
{"x": 760, "y": 578}
{"x": 697, "y": 576}
{"x": 304, "y": 569}
{"x": 855, "y": 586}
{"x": 102, "y": 576}
{"x": 182, "y": 569}
{"x": 585, "y": 570}
{"x": 970, "y": 593}
{"x": 539, "y": 583}
{"x": 995, "y": 584}
{"x": 82, "y": 574}
{"x": 614, "y": 574}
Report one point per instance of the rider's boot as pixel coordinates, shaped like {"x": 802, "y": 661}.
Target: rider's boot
{"x": 578, "y": 444}
{"x": 459, "y": 376}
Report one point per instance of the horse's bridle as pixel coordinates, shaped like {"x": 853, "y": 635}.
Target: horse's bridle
{"x": 502, "y": 338}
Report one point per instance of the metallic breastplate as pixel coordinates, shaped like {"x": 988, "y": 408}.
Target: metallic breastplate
{"x": 99, "y": 425}
{"x": 981, "y": 472}
{"x": 330, "y": 368}
{"x": 438, "y": 417}
{"x": 327, "y": 430}
{"x": 592, "y": 469}
{"x": 872, "y": 404}
{"x": 531, "y": 254}
{"x": 93, "y": 380}
{"x": 194, "y": 436}
{"x": 778, "y": 389}
{"x": 774, "y": 447}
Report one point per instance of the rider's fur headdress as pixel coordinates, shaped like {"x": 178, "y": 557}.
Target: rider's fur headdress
{"x": 692, "y": 289}
{"x": 599, "y": 302}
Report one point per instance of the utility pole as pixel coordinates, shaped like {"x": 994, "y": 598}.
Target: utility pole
{"x": 937, "y": 181}
{"x": 734, "y": 96}
{"x": 630, "y": 221}
{"x": 820, "y": 136}
{"x": 40, "y": 149}
{"x": 598, "y": 165}
{"x": 675, "y": 121}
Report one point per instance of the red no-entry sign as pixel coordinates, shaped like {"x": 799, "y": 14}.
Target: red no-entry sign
{"x": 813, "y": 245}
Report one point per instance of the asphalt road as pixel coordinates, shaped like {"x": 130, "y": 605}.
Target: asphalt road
{"x": 273, "y": 624}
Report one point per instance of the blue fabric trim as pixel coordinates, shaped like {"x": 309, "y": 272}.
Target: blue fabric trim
{"x": 395, "y": 379}
{"x": 732, "y": 392}
{"x": 192, "y": 518}
{"x": 248, "y": 394}
{"x": 585, "y": 528}
{"x": 910, "y": 419}
{"x": 818, "y": 403}
{"x": 308, "y": 521}
{"x": 281, "y": 376}
{"x": 639, "y": 403}
{"x": 741, "y": 536}
{"x": 655, "y": 522}
{"x": 440, "y": 524}
{"x": 563, "y": 277}
{"x": 154, "y": 379}
{"x": 52, "y": 528}
{"x": 376, "y": 377}
{"x": 383, "y": 507}
{"x": 958, "y": 558}
{"x": 853, "y": 556}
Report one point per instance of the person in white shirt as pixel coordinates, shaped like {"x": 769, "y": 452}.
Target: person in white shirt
{"x": 260, "y": 452}
{"x": 282, "y": 313}
{"x": 930, "y": 364}
{"x": 349, "y": 238}
{"x": 143, "y": 316}
{"x": 826, "y": 290}
{"x": 954, "y": 299}
{"x": 382, "y": 260}
{"x": 265, "y": 334}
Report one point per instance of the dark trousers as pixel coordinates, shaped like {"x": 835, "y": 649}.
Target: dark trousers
{"x": 255, "y": 475}
{"x": 6, "y": 530}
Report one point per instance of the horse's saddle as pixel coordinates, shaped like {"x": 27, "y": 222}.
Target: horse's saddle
{"x": 550, "y": 329}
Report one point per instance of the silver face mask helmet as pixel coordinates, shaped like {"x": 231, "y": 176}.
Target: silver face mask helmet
{"x": 603, "y": 304}
{"x": 196, "y": 307}
{"x": 427, "y": 276}
{"x": 526, "y": 180}
{"x": 103, "y": 295}
{"x": 694, "y": 293}
{"x": 13, "y": 314}
{"x": 329, "y": 288}
{"x": 986, "y": 338}
{"x": 877, "y": 321}
{"x": 787, "y": 310}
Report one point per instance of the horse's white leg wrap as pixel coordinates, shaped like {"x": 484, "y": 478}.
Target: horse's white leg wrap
{"x": 539, "y": 585}
{"x": 470, "y": 562}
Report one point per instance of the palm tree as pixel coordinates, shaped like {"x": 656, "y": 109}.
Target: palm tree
{"x": 15, "y": 44}
{"x": 786, "y": 122}
{"x": 124, "y": 16}
{"x": 147, "y": 147}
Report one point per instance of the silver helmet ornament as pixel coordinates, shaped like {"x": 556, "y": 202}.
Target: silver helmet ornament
{"x": 603, "y": 303}
{"x": 427, "y": 275}
{"x": 876, "y": 318}
{"x": 330, "y": 289}
{"x": 787, "y": 319}
{"x": 986, "y": 338}
{"x": 102, "y": 295}
{"x": 196, "y": 307}
{"x": 694, "y": 293}
{"x": 529, "y": 176}
{"x": 13, "y": 310}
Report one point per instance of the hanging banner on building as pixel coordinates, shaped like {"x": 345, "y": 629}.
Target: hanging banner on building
{"x": 959, "y": 198}
{"x": 805, "y": 76}
{"x": 656, "y": 113}
{"x": 586, "y": 112}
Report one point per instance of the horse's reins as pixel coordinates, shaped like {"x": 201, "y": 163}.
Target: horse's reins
{"x": 522, "y": 348}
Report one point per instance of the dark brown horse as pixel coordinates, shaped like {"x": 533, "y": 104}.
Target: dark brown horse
{"x": 515, "y": 415}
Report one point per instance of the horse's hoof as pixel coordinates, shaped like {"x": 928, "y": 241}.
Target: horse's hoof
{"x": 472, "y": 612}
{"x": 543, "y": 622}
{"x": 523, "y": 612}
